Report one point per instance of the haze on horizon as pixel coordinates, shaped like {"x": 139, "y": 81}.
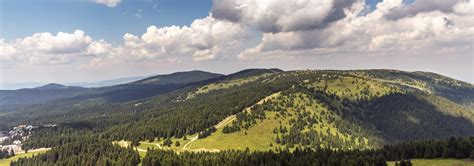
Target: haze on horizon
{"x": 87, "y": 40}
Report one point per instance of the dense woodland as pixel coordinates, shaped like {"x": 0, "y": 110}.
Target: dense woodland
{"x": 93, "y": 151}
{"x": 394, "y": 116}
{"x": 86, "y": 151}
{"x": 316, "y": 110}
{"x": 296, "y": 157}
{"x": 454, "y": 147}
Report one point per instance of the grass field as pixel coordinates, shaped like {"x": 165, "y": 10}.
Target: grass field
{"x": 352, "y": 87}
{"x": 260, "y": 136}
{"x": 224, "y": 85}
{"x": 438, "y": 162}
{"x": 6, "y": 162}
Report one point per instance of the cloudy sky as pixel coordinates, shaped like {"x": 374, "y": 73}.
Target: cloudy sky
{"x": 91, "y": 40}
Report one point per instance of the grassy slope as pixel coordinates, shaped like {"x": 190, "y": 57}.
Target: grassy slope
{"x": 438, "y": 162}
{"x": 224, "y": 85}
{"x": 261, "y": 137}
{"x": 6, "y": 162}
{"x": 257, "y": 137}
{"x": 352, "y": 86}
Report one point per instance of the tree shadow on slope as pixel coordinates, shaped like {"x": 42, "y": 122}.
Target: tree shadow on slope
{"x": 412, "y": 117}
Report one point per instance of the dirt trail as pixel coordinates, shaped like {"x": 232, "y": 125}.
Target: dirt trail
{"x": 226, "y": 121}
{"x": 192, "y": 140}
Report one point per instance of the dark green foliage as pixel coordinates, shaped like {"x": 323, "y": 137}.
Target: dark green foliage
{"x": 472, "y": 155}
{"x": 206, "y": 133}
{"x": 167, "y": 142}
{"x": 86, "y": 151}
{"x": 52, "y": 137}
{"x": 297, "y": 157}
{"x": 403, "y": 163}
{"x": 177, "y": 144}
{"x": 407, "y": 114}
{"x": 414, "y": 117}
{"x": 454, "y": 147}
{"x": 245, "y": 119}
{"x": 135, "y": 142}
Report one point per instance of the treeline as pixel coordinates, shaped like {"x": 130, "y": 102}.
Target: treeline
{"x": 96, "y": 151}
{"x": 86, "y": 151}
{"x": 55, "y": 136}
{"x": 316, "y": 157}
{"x": 177, "y": 118}
{"x": 454, "y": 147}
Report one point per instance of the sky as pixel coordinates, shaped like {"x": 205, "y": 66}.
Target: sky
{"x": 91, "y": 40}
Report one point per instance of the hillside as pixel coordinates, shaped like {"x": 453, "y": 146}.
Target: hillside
{"x": 119, "y": 93}
{"x": 341, "y": 111}
{"x": 54, "y": 100}
{"x": 263, "y": 109}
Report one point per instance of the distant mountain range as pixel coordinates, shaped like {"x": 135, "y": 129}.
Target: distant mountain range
{"x": 259, "y": 109}
{"x": 107, "y": 82}
{"x": 122, "y": 92}
{"x": 111, "y": 82}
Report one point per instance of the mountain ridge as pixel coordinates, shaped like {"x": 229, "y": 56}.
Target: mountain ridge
{"x": 316, "y": 108}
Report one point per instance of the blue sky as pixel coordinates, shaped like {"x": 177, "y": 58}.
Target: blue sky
{"x": 20, "y": 18}
{"x": 90, "y": 40}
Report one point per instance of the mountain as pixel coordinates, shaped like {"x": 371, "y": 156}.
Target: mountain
{"x": 54, "y": 86}
{"x": 41, "y": 94}
{"x": 119, "y": 93}
{"x": 262, "y": 109}
{"x": 18, "y": 85}
{"x": 177, "y": 78}
{"x": 149, "y": 87}
{"x": 105, "y": 83}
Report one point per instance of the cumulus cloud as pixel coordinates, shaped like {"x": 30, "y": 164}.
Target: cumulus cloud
{"x": 286, "y": 27}
{"x": 46, "y": 48}
{"x": 437, "y": 25}
{"x": 109, "y": 3}
{"x": 420, "y": 6}
{"x": 278, "y": 16}
{"x": 204, "y": 39}
{"x": 465, "y": 7}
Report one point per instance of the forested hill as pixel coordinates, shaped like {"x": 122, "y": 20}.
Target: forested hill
{"x": 119, "y": 93}
{"x": 268, "y": 109}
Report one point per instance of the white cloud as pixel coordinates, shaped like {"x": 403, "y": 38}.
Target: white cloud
{"x": 252, "y": 29}
{"x": 465, "y": 7}
{"x": 6, "y": 50}
{"x": 375, "y": 32}
{"x": 46, "y": 48}
{"x": 62, "y": 43}
{"x": 100, "y": 47}
{"x": 204, "y": 39}
{"x": 420, "y": 6}
{"x": 277, "y": 16}
{"x": 109, "y": 3}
